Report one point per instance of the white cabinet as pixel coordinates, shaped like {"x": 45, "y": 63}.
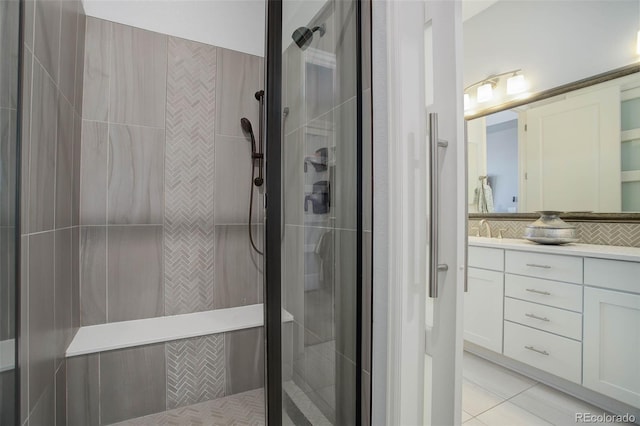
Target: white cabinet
{"x": 483, "y": 308}
{"x": 612, "y": 344}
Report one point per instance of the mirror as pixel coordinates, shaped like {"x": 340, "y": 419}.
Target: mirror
{"x": 561, "y": 139}
{"x": 9, "y": 71}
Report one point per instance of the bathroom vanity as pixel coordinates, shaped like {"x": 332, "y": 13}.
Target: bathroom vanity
{"x": 570, "y": 312}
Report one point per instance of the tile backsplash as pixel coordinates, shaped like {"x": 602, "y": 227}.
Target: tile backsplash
{"x": 612, "y": 234}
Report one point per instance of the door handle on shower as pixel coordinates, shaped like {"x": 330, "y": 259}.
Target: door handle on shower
{"x": 434, "y": 266}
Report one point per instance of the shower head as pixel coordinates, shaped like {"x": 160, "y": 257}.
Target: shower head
{"x": 303, "y": 35}
{"x": 248, "y": 131}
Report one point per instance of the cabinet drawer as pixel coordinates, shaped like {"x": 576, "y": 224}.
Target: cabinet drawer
{"x": 554, "y": 354}
{"x": 613, "y": 274}
{"x": 552, "y": 293}
{"x": 549, "y": 266}
{"x": 546, "y": 318}
{"x": 486, "y": 258}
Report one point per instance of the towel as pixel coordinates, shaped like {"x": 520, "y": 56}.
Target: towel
{"x": 483, "y": 199}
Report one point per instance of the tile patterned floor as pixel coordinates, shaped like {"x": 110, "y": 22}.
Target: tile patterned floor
{"x": 495, "y": 396}
{"x": 242, "y": 409}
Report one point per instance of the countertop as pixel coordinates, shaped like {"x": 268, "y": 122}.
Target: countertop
{"x": 630, "y": 254}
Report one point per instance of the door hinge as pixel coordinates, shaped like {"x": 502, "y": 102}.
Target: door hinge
{"x": 526, "y": 175}
{"x": 525, "y": 127}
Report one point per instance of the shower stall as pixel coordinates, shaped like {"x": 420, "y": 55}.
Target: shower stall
{"x": 193, "y": 217}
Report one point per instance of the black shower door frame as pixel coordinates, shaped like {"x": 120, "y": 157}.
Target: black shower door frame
{"x": 273, "y": 217}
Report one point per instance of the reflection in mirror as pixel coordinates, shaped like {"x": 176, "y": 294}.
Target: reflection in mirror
{"x": 9, "y": 42}
{"x": 569, "y": 138}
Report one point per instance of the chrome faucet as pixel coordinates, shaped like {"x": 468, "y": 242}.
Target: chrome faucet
{"x": 486, "y": 225}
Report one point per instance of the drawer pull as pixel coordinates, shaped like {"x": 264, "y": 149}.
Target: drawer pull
{"x": 535, "y": 265}
{"x": 537, "y": 317}
{"x": 533, "y": 290}
{"x": 531, "y": 348}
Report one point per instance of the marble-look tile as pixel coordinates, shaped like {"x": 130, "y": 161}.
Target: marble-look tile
{"x": 79, "y": 68}
{"x": 232, "y": 182}
{"x": 138, "y": 76}
{"x": 345, "y": 295}
{"x": 238, "y": 80}
{"x": 61, "y": 395}
{"x": 497, "y": 380}
{"x": 476, "y": 400}
{"x": 367, "y": 283}
{"x": 508, "y": 414}
{"x": 466, "y": 416}
{"x": 236, "y": 267}
{"x": 345, "y": 50}
{"x": 136, "y": 169}
{"x": 43, "y": 152}
{"x": 366, "y": 398}
{"x": 552, "y": 405}
{"x": 29, "y": 17}
{"x": 96, "y": 71}
{"x": 93, "y": 173}
{"x": 134, "y": 271}
{"x": 293, "y": 90}
{"x": 366, "y": 44}
{"x": 344, "y": 197}
{"x": 195, "y": 370}
{"x": 244, "y": 352}
{"x": 473, "y": 422}
{"x": 62, "y": 294}
{"x": 83, "y": 390}
{"x": 93, "y": 275}
{"x": 47, "y": 35}
{"x": 9, "y": 46}
{"x": 294, "y": 178}
{"x": 345, "y": 391}
{"x": 138, "y": 372}
{"x": 64, "y": 164}
{"x": 293, "y": 272}
{"x": 320, "y": 368}
{"x": 42, "y": 333}
{"x": 23, "y": 342}
{"x": 75, "y": 278}
{"x": 68, "y": 39}
{"x": 367, "y": 162}
{"x": 76, "y": 162}
{"x": 44, "y": 409}
{"x": 25, "y": 195}
{"x": 7, "y": 166}
{"x": 7, "y": 387}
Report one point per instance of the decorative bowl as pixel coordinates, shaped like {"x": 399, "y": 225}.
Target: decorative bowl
{"x": 550, "y": 229}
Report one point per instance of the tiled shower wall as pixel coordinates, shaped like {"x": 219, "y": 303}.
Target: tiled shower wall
{"x": 165, "y": 181}
{"x": 52, "y": 110}
{"x": 612, "y": 234}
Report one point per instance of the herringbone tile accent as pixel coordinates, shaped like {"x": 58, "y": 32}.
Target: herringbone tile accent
{"x": 242, "y": 409}
{"x": 195, "y": 370}
{"x": 612, "y": 234}
{"x": 189, "y": 177}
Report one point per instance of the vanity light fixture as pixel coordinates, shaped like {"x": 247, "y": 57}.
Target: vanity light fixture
{"x": 516, "y": 84}
{"x": 467, "y": 101}
{"x": 485, "y": 92}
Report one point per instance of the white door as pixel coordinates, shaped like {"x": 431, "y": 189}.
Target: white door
{"x": 424, "y": 77}
{"x": 572, "y": 154}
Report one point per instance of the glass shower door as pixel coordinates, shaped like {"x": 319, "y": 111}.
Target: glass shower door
{"x": 321, "y": 226}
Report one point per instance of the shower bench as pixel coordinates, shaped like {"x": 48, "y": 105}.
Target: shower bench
{"x": 140, "y": 332}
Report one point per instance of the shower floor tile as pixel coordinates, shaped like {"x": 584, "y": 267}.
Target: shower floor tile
{"x": 241, "y": 409}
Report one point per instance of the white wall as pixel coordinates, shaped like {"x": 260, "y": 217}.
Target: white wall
{"x": 232, "y": 24}
{"x": 554, "y": 42}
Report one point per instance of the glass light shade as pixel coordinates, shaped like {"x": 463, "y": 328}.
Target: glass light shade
{"x": 467, "y": 101}
{"x": 485, "y": 92}
{"x": 516, "y": 84}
